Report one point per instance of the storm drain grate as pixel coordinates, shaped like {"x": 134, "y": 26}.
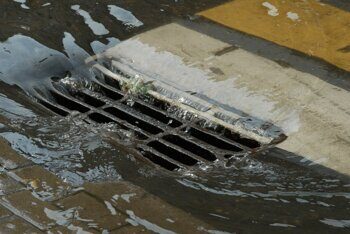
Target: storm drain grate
{"x": 171, "y": 133}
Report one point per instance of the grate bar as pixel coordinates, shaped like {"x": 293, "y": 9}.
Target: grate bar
{"x": 145, "y": 118}
{"x": 173, "y": 153}
{"x": 217, "y": 152}
{"x": 58, "y": 109}
{"x": 111, "y": 93}
{"x": 178, "y": 164}
{"x": 213, "y": 140}
{"x": 144, "y": 135}
{"x": 159, "y": 115}
{"x": 193, "y": 150}
{"x": 183, "y": 151}
{"x": 70, "y": 102}
{"x": 133, "y": 120}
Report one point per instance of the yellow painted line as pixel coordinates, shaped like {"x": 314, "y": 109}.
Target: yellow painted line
{"x": 308, "y": 26}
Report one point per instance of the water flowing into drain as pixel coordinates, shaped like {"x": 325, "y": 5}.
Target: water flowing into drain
{"x": 170, "y": 136}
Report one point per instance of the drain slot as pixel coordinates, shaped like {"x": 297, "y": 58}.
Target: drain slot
{"x": 156, "y": 115}
{"x": 228, "y": 134}
{"x": 133, "y": 120}
{"x": 107, "y": 91}
{"x": 92, "y": 101}
{"x": 159, "y": 160}
{"x": 99, "y": 118}
{"x": 111, "y": 94}
{"x": 172, "y": 153}
{"x": 212, "y": 140}
{"x": 191, "y": 147}
{"x": 53, "y": 108}
{"x": 112, "y": 82}
{"x": 68, "y": 103}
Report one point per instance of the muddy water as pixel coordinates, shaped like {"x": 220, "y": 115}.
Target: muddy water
{"x": 44, "y": 39}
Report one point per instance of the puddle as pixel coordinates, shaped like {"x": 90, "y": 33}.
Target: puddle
{"x": 258, "y": 193}
{"x": 288, "y": 196}
{"x": 62, "y": 146}
{"x": 13, "y": 109}
{"x": 126, "y": 17}
{"x": 97, "y": 28}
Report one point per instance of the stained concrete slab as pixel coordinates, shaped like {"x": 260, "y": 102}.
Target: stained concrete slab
{"x": 310, "y": 26}
{"x": 312, "y": 112}
{"x": 46, "y": 185}
{"x": 144, "y": 209}
{"x": 97, "y": 209}
{"x": 14, "y": 224}
{"x": 9, "y": 159}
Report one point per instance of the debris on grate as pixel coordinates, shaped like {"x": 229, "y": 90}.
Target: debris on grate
{"x": 173, "y": 129}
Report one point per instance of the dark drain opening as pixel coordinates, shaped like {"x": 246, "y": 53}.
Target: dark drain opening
{"x": 159, "y": 160}
{"x": 172, "y": 153}
{"x": 244, "y": 141}
{"x": 112, "y": 82}
{"x": 171, "y": 110}
{"x": 212, "y": 140}
{"x": 68, "y": 103}
{"x": 133, "y": 120}
{"x": 89, "y": 99}
{"x": 53, "y": 108}
{"x": 111, "y": 94}
{"x": 98, "y": 118}
{"x": 156, "y": 115}
{"x": 217, "y": 129}
{"x": 191, "y": 147}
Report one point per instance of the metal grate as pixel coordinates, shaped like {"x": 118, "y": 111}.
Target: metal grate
{"x": 169, "y": 133}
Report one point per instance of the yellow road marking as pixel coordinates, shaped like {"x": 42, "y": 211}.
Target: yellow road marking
{"x": 308, "y": 26}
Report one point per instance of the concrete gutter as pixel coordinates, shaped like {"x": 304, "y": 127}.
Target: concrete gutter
{"x": 312, "y": 112}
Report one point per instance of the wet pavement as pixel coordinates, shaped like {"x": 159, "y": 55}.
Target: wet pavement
{"x": 96, "y": 184}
